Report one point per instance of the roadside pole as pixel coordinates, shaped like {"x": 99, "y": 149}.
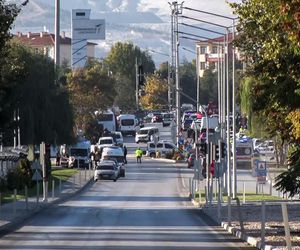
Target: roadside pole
{"x": 44, "y": 170}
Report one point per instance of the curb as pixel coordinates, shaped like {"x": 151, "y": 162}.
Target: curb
{"x": 168, "y": 160}
{"x": 236, "y": 232}
{"x": 19, "y": 220}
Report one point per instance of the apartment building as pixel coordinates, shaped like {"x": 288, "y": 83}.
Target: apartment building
{"x": 210, "y": 52}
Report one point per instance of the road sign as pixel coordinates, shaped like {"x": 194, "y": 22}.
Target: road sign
{"x": 261, "y": 171}
{"x": 37, "y": 176}
{"x": 36, "y": 165}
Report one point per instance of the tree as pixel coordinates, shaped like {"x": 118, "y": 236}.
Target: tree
{"x": 188, "y": 81}
{"x": 28, "y": 87}
{"x": 91, "y": 89}
{"x": 265, "y": 32}
{"x": 156, "y": 94}
{"x": 8, "y": 14}
{"x": 209, "y": 87}
{"x": 121, "y": 61}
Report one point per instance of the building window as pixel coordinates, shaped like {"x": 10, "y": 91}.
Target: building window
{"x": 213, "y": 65}
{"x": 214, "y": 50}
{"x": 202, "y": 49}
{"x": 202, "y": 66}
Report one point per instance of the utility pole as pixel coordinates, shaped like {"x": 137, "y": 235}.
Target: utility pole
{"x": 176, "y": 9}
{"x": 136, "y": 85}
{"x": 57, "y": 34}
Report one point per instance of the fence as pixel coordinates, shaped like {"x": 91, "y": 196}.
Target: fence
{"x": 55, "y": 190}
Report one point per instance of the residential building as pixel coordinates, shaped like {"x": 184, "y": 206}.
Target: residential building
{"x": 44, "y": 42}
{"x": 210, "y": 52}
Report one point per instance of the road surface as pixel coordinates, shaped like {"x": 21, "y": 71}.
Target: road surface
{"x": 148, "y": 209}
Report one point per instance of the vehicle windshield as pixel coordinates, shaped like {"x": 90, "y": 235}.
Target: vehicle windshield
{"x": 105, "y": 117}
{"x": 117, "y": 136}
{"x": 120, "y": 159}
{"x": 166, "y": 116}
{"x": 78, "y": 152}
{"x": 107, "y": 141}
{"x": 143, "y": 132}
{"x": 105, "y": 167}
{"x": 127, "y": 122}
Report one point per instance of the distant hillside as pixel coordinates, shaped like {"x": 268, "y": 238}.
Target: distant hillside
{"x": 145, "y": 29}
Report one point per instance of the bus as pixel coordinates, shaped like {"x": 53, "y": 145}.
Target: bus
{"x": 108, "y": 120}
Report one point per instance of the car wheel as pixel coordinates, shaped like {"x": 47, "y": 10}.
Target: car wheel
{"x": 95, "y": 180}
{"x": 115, "y": 180}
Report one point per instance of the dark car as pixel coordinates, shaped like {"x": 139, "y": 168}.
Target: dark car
{"x": 157, "y": 118}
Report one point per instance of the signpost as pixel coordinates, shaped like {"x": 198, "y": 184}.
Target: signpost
{"x": 261, "y": 171}
{"x": 36, "y": 177}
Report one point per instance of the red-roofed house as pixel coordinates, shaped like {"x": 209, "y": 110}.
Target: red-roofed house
{"x": 44, "y": 42}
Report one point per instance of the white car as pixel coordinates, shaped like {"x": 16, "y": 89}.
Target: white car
{"x": 106, "y": 170}
{"x": 119, "y": 138}
{"x": 163, "y": 147}
{"x": 147, "y": 134}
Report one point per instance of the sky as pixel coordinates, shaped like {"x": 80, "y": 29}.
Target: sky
{"x": 148, "y": 21}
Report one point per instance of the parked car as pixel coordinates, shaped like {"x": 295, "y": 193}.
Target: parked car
{"x": 106, "y": 170}
{"x": 163, "y": 147}
{"x": 119, "y": 138}
{"x": 167, "y": 118}
{"x": 157, "y": 118}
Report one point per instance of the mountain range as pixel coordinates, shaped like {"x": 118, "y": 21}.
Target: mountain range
{"x": 145, "y": 23}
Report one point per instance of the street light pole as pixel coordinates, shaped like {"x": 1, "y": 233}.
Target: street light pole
{"x": 57, "y": 35}
{"x": 176, "y": 10}
{"x": 234, "y": 170}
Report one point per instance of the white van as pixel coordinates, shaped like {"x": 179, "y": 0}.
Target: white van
{"x": 213, "y": 122}
{"x": 115, "y": 153}
{"x": 127, "y": 124}
{"x": 108, "y": 120}
{"x": 147, "y": 134}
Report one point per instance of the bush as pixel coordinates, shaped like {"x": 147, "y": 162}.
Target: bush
{"x": 21, "y": 176}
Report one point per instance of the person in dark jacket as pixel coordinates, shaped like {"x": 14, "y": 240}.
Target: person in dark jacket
{"x": 125, "y": 154}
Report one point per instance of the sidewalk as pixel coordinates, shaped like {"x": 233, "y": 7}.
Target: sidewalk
{"x": 14, "y": 213}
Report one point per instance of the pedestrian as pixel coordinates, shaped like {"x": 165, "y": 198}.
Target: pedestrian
{"x": 138, "y": 154}
{"x": 125, "y": 154}
{"x": 57, "y": 158}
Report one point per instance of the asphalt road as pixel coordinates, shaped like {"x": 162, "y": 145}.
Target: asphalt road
{"x": 148, "y": 209}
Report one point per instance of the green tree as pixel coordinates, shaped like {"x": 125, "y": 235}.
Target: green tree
{"x": 121, "y": 61}
{"x": 188, "y": 81}
{"x": 266, "y": 29}
{"x": 8, "y": 14}
{"x": 209, "y": 87}
{"x": 28, "y": 86}
{"x": 91, "y": 89}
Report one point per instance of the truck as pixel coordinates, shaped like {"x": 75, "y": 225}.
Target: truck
{"x": 79, "y": 154}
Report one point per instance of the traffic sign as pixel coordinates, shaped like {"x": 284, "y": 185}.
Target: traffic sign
{"x": 261, "y": 166}
{"x": 36, "y": 165}
{"x": 261, "y": 171}
{"x": 36, "y": 176}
